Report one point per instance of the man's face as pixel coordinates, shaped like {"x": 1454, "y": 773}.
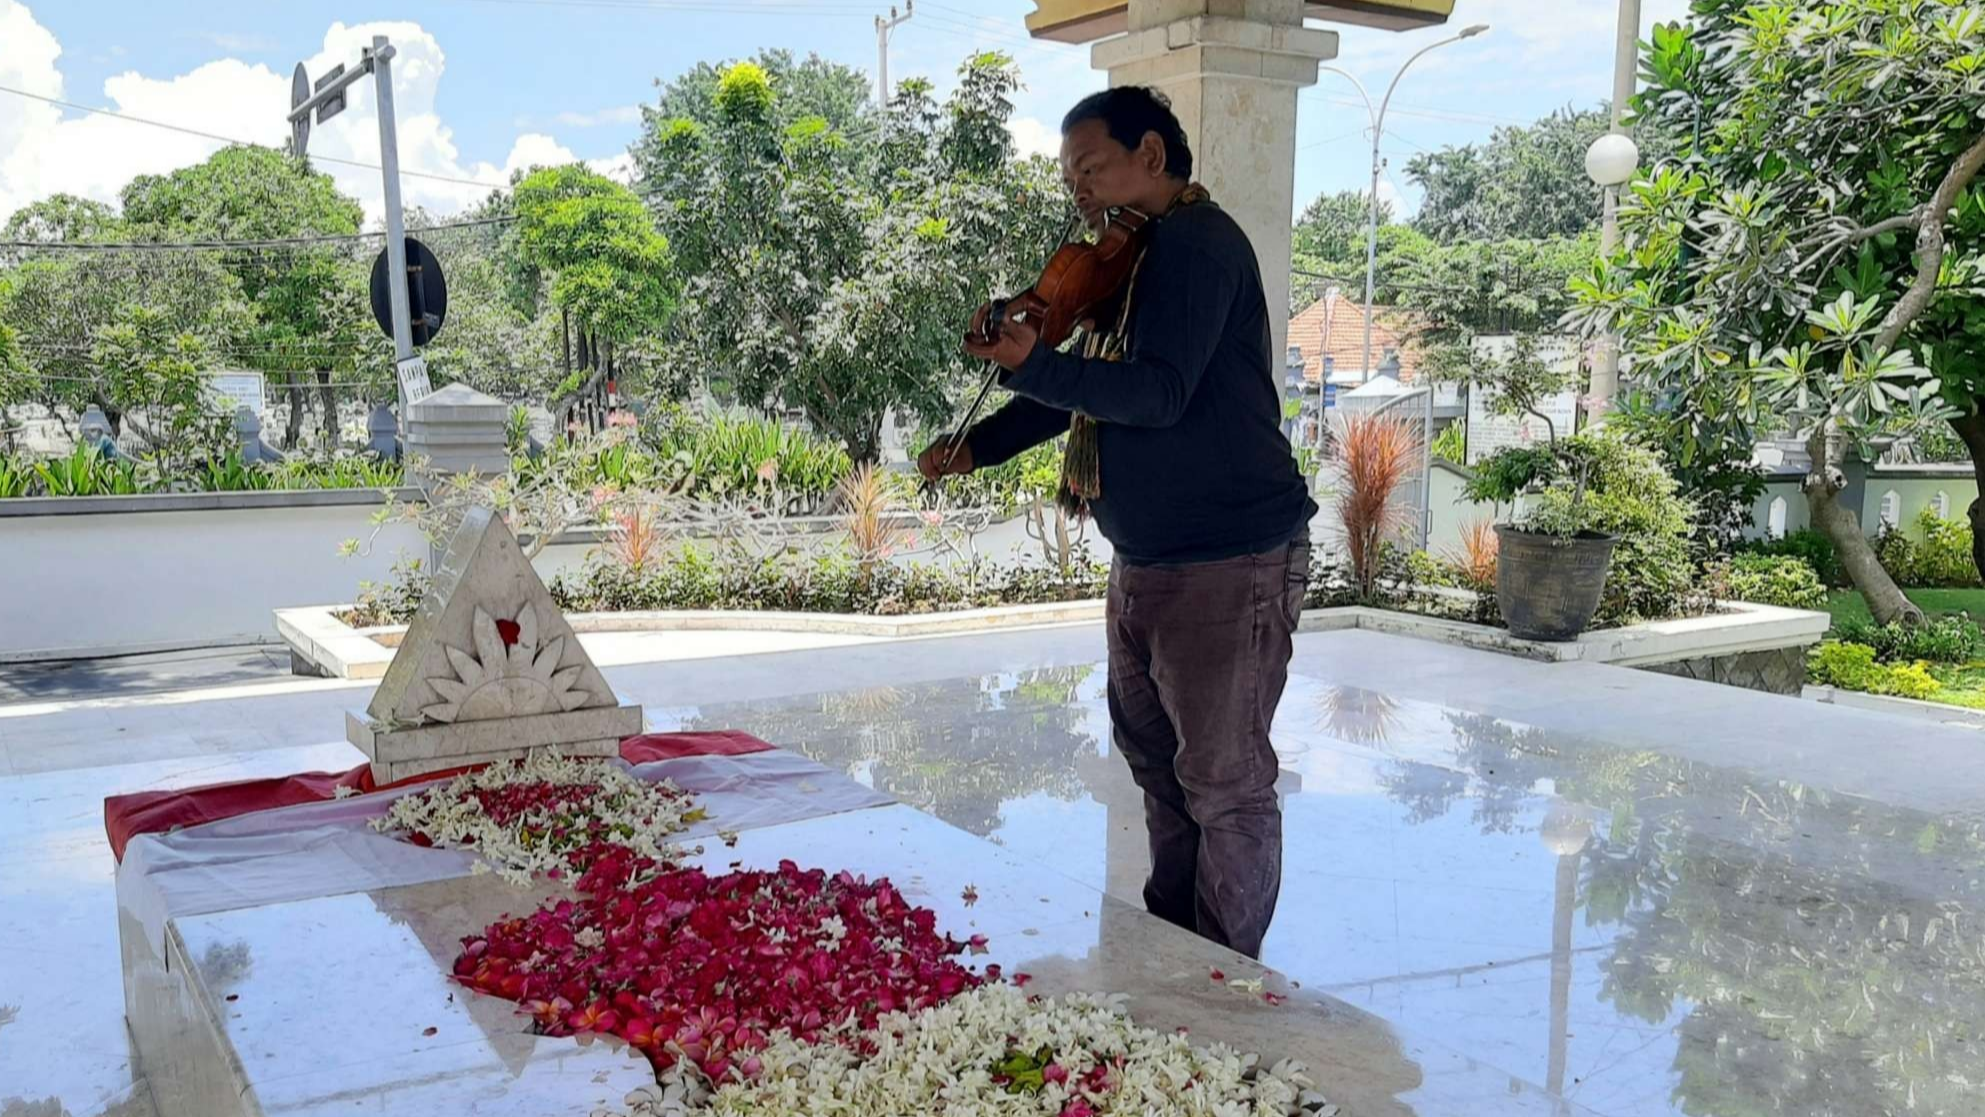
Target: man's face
{"x": 1100, "y": 173}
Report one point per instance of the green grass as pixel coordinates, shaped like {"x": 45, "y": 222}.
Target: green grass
{"x": 1963, "y": 685}
{"x": 1848, "y": 604}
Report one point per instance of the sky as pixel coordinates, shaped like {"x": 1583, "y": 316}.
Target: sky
{"x": 486, "y": 86}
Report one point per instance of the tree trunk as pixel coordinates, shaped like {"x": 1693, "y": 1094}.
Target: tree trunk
{"x": 1971, "y": 428}
{"x": 293, "y": 430}
{"x": 328, "y": 395}
{"x": 565, "y": 341}
{"x": 1822, "y": 488}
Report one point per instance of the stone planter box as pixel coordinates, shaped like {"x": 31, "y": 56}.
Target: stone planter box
{"x": 117, "y": 575}
{"x": 1755, "y": 646}
{"x": 1906, "y": 707}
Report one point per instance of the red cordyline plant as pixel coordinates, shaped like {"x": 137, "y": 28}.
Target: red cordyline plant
{"x": 636, "y": 541}
{"x": 1475, "y": 559}
{"x": 1378, "y": 451}
{"x": 691, "y": 967}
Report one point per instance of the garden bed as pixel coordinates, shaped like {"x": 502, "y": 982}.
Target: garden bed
{"x": 321, "y": 644}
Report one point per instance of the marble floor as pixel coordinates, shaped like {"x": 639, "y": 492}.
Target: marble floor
{"x": 1644, "y": 895}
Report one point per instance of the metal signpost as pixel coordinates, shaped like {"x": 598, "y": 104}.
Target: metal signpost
{"x": 327, "y": 99}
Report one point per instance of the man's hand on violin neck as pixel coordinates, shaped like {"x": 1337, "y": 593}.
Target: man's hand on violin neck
{"x": 932, "y": 462}
{"x": 1010, "y": 349}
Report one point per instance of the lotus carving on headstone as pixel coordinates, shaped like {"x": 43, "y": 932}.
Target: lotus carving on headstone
{"x": 508, "y": 675}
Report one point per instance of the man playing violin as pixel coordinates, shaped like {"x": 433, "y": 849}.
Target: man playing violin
{"x": 1176, "y": 449}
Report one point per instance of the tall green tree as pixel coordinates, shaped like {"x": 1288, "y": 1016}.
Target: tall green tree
{"x": 502, "y": 335}
{"x": 64, "y": 219}
{"x": 1812, "y": 257}
{"x": 1525, "y": 181}
{"x": 610, "y": 271}
{"x": 56, "y": 301}
{"x": 1333, "y": 227}
{"x": 156, "y": 369}
{"x": 833, "y": 274}
{"x": 19, "y": 383}
{"x": 244, "y": 193}
{"x": 1330, "y": 246}
{"x": 808, "y": 87}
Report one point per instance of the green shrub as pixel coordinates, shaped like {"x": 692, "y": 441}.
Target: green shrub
{"x": 1780, "y": 580}
{"x": 1423, "y": 569}
{"x": 1508, "y": 473}
{"x": 1942, "y": 640}
{"x": 1811, "y": 547}
{"x": 392, "y": 601}
{"x": 723, "y": 455}
{"x": 1941, "y": 558}
{"x": 1451, "y": 444}
{"x": 1853, "y": 667}
{"x": 1897, "y": 554}
{"x": 85, "y": 472}
{"x": 1606, "y": 482}
{"x": 828, "y": 581}
{"x": 17, "y": 478}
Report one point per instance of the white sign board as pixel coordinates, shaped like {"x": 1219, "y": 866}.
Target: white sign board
{"x": 1488, "y": 432}
{"x": 238, "y": 390}
{"x": 413, "y": 379}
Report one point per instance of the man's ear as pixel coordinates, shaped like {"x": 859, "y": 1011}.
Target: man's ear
{"x": 1151, "y": 154}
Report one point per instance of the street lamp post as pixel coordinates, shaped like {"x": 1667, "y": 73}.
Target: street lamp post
{"x": 1378, "y": 169}
{"x": 1371, "y": 258}
{"x": 1611, "y": 162}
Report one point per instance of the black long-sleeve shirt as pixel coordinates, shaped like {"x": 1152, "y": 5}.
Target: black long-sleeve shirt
{"x": 1195, "y": 466}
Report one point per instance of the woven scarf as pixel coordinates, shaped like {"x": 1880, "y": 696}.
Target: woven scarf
{"x": 1081, "y": 465}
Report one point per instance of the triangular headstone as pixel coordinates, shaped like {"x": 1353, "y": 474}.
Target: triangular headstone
{"x": 487, "y": 642}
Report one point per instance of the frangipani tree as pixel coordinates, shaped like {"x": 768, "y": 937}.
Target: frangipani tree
{"x": 1776, "y": 274}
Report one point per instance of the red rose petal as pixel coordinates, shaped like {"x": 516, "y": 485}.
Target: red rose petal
{"x": 510, "y": 631}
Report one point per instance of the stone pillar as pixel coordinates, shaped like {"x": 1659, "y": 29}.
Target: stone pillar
{"x": 1232, "y": 69}
{"x": 458, "y": 430}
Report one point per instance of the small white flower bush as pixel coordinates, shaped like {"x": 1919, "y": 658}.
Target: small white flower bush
{"x": 546, "y": 813}
{"x": 992, "y": 1052}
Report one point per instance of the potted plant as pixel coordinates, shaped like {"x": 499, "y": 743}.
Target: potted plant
{"x": 1552, "y": 558}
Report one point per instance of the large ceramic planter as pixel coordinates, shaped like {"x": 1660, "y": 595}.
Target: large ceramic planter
{"x": 1548, "y": 586}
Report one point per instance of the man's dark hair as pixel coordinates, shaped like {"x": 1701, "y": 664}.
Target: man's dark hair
{"x": 1129, "y": 111}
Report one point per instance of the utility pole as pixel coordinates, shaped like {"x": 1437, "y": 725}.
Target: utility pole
{"x": 326, "y": 100}
{"x": 882, "y": 29}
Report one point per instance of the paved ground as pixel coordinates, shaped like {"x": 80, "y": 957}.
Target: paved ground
{"x": 141, "y": 674}
{"x": 1649, "y": 896}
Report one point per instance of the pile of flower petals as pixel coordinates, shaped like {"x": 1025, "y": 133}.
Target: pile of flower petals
{"x": 687, "y": 966}
{"x": 995, "y": 1052}
{"x": 545, "y": 813}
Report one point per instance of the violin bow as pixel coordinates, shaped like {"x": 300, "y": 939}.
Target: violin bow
{"x": 971, "y": 416}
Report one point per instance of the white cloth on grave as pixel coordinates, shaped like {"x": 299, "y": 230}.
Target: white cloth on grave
{"x": 330, "y": 848}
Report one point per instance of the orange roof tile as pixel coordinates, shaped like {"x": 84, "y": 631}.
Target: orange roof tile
{"x": 1334, "y": 326}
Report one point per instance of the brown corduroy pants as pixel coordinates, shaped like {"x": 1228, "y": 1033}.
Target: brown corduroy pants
{"x": 1199, "y": 655}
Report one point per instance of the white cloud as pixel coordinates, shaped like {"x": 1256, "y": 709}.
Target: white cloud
{"x": 44, "y": 151}
{"x": 1035, "y": 138}
{"x": 619, "y": 168}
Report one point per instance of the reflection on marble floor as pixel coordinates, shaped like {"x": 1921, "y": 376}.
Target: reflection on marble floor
{"x": 1646, "y": 935}
{"x": 1641, "y": 934}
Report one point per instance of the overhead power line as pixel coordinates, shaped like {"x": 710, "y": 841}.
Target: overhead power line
{"x": 183, "y": 130}
{"x": 238, "y": 245}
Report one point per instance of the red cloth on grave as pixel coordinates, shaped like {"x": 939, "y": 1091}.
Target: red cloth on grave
{"x": 156, "y": 812}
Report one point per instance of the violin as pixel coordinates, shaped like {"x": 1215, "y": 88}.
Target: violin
{"x": 1082, "y": 279}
